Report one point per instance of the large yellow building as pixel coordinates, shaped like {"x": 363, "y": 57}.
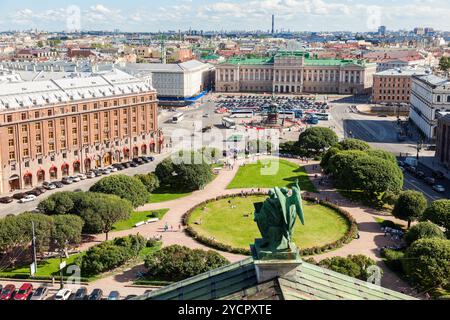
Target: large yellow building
{"x": 294, "y": 73}
{"x": 55, "y": 128}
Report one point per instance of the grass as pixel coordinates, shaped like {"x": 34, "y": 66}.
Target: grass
{"x": 276, "y": 173}
{"x": 137, "y": 217}
{"x": 167, "y": 193}
{"x": 232, "y": 227}
{"x": 46, "y": 269}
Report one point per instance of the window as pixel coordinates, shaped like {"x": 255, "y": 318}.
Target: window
{"x": 85, "y": 128}
{"x": 26, "y": 152}
{"x": 95, "y": 116}
{"x": 85, "y": 140}
{"x": 63, "y": 132}
{"x": 74, "y": 108}
{"x": 10, "y": 130}
{"x": 438, "y": 98}
{"x": 51, "y": 146}
{"x": 25, "y": 128}
{"x": 63, "y": 144}
{"x": 37, "y": 126}
{"x": 85, "y": 107}
{"x": 36, "y": 114}
{"x": 9, "y": 118}
{"x": 74, "y": 119}
{"x": 51, "y": 135}
{"x": 38, "y": 149}
{"x": 24, "y": 139}
{"x": 85, "y": 117}
{"x": 96, "y": 137}
{"x": 62, "y": 122}
{"x": 75, "y": 142}
{"x": 24, "y": 116}
{"x": 12, "y": 155}
{"x": 50, "y": 124}
{"x": 11, "y": 142}
{"x": 50, "y": 112}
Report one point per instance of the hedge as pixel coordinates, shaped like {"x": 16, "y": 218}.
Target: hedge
{"x": 345, "y": 239}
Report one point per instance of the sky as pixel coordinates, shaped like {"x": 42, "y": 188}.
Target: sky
{"x": 227, "y": 15}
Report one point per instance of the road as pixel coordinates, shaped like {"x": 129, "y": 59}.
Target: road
{"x": 381, "y": 133}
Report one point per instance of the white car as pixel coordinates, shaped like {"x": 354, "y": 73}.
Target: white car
{"x": 106, "y": 171}
{"x": 82, "y": 176}
{"x": 63, "y": 294}
{"x": 28, "y": 198}
{"x": 90, "y": 175}
{"x": 112, "y": 169}
{"x": 439, "y": 188}
{"x": 76, "y": 179}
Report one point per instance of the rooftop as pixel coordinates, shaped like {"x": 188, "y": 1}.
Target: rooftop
{"x": 238, "y": 281}
{"x": 433, "y": 80}
{"x": 403, "y": 72}
{"x": 57, "y": 89}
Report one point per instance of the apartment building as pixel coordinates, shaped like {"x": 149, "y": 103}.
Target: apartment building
{"x": 61, "y": 127}
{"x": 443, "y": 140}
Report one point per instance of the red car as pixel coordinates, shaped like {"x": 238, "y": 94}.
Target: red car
{"x": 8, "y": 292}
{"x": 24, "y": 292}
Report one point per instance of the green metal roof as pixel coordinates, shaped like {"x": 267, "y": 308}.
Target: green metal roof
{"x": 309, "y": 61}
{"x": 238, "y": 281}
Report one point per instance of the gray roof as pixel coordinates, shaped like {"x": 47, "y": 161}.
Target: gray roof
{"x": 238, "y": 281}
{"x": 192, "y": 65}
{"x": 403, "y": 72}
{"x": 59, "y": 87}
{"x": 433, "y": 80}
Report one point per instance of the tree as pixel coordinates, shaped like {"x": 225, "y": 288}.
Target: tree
{"x": 423, "y": 230}
{"x": 426, "y": 262}
{"x": 354, "y": 266}
{"x": 104, "y": 257}
{"x": 382, "y": 154}
{"x": 341, "y": 160}
{"x": 176, "y": 262}
{"x": 150, "y": 181}
{"x": 410, "y": 206}
{"x": 58, "y": 203}
{"x": 192, "y": 176}
{"x": 315, "y": 140}
{"x": 67, "y": 231}
{"x": 439, "y": 213}
{"x": 444, "y": 64}
{"x": 123, "y": 186}
{"x": 43, "y": 226}
{"x": 164, "y": 171}
{"x": 354, "y": 144}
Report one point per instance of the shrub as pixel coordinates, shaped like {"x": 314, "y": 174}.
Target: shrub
{"x": 393, "y": 259}
{"x": 150, "y": 181}
{"x": 354, "y": 144}
{"x": 123, "y": 186}
{"x": 439, "y": 213}
{"x": 176, "y": 262}
{"x": 423, "y": 230}
{"x": 355, "y": 266}
{"x": 426, "y": 263}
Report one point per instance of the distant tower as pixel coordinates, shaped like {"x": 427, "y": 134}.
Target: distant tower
{"x": 273, "y": 24}
{"x": 163, "y": 51}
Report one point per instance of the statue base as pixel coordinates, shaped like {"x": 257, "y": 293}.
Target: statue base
{"x": 270, "y": 265}
{"x": 263, "y": 254}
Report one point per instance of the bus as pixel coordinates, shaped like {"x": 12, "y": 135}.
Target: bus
{"x": 178, "y": 117}
{"x": 228, "y": 123}
{"x": 312, "y": 119}
{"x": 287, "y": 115}
{"x": 242, "y": 114}
{"x": 322, "y": 116}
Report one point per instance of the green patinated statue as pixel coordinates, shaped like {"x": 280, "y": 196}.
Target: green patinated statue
{"x": 276, "y": 218}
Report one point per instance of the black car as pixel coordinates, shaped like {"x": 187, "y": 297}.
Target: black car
{"x": 58, "y": 184}
{"x": 34, "y": 192}
{"x": 19, "y": 196}
{"x": 145, "y": 159}
{"x": 118, "y": 166}
{"x": 131, "y": 296}
{"x": 126, "y": 164}
{"x": 134, "y": 164}
{"x": 6, "y": 200}
{"x": 98, "y": 173}
{"x": 139, "y": 161}
{"x": 151, "y": 158}
{"x": 81, "y": 294}
{"x": 41, "y": 189}
{"x": 97, "y": 294}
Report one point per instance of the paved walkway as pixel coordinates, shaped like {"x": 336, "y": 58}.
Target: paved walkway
{"x": 371, "y": 236}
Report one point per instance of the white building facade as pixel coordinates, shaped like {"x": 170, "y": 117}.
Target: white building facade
{"x": 429, "y": 96}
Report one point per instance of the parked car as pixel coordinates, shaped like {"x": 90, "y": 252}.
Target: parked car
{"x": 75, "y": 179}
{"x": 430, "y": 181}
{"x": 145, "y": 159}
{"x": 98, "y": 173}
{"x": 49, "y": 185}
{"x": 420, "y": 174}
{"x": 438, "y": 175}
{"x": 114, "y": 295}
{"x": 106, "y": 171}
{"x": 96, "y": 294}
{"x": 41, "y": 189}
{"x": 134, "y": 164}
{"x": 8, "y": 292}
{"x": 34, "y": 192}
{"x": 19, "y": 196}
{"x": 81, "y": 294}
{"x": 131, "y": 296}
{"x": 67, "y": 180}
{"x": 126, "y": 164}
{"x": 25, "y": 291}
{"x": 6, "y": 200}
{"x": 90, "y": 175}
{"x": 82, "y": 176}
{"x": 58, "y": 184}
{"x": 40, "y": 294}
{"x": 439, "y": 188}
{"x": 63, "y": 294}
{"x": 411, "y": 169}
{"x": 118, "y": 166}
{"x": 138, "y": 161}
{"x": 28, "y": 198}
{"x": 112, "y": 169}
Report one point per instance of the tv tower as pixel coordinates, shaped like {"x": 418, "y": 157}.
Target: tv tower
{"x": 273, "y": 24}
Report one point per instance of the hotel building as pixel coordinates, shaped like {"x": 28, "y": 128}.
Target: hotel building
{"x": 60, "y": 127}
{"x": 294, "y": 73}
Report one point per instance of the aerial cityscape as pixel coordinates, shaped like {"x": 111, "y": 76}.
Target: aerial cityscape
{"x": 224, "y": 150}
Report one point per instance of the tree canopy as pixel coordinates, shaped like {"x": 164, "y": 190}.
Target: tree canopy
{"x": 439, "y": 213}
{"x": 316, "y": 140}
{"x": 423, "y": 230}
{"x": 410, "y": 206}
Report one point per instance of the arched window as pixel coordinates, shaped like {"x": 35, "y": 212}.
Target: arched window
{"x": 27, "y": 179}
{"x": 53, "y": 173}
{"x": 438, "y": 98}
{"x": 65, "y": 170}
{"x": 448, "y": 98}
{"x": 87, "y": 165}
{"x": 76, "y": 167}
{"x": 41, "y": 176}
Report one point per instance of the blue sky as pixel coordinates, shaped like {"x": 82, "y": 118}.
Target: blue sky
{"x": 156, "y": 15}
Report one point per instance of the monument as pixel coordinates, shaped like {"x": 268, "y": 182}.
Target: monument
{"x": 275, "y": 254}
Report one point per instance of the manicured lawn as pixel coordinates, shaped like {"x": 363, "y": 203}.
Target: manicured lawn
{"x": 232, "y": 227}
{"x": 137, "y": 217}
{"x": 167, "y": 193}
{"x": 46, "y": 269}
{"x": 275, "y": 173}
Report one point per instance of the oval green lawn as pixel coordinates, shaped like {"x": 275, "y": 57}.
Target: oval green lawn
{"x": 230, "y": 226}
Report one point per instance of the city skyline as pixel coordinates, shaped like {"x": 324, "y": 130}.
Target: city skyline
{"x": 293, "y": 15}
